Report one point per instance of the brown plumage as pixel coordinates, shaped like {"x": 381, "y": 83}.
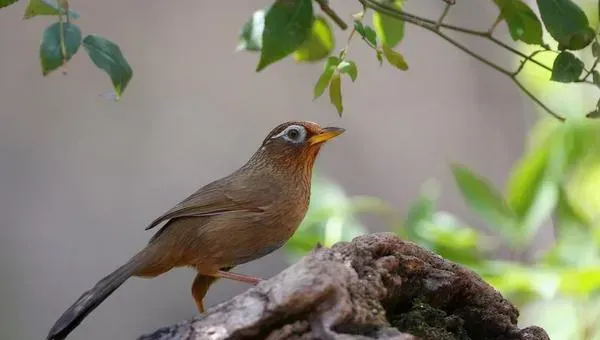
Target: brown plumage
{"x": 233, "y": 220}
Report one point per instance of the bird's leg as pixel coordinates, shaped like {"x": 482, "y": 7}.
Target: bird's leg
{"x": 253, "y": 280}
{"x": 199, "y": 289}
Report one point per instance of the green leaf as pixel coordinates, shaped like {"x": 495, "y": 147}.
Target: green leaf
{"x": 532, "y": 188}
{"x": 108, "y": 57}
{"x": 574, "y": 240}
{"x": 567, "y": 23}
{"x": 581, "y": 282}
{"x": 335, "y": 93}
{"x": 394, "y": 58}
{"x": 520, "y": 283}
{"x": 450, "y": 238}
{"x": 379, "y": 56}
{"x": 323, "y": 82}
{"x": 596, "y": 113}
{"x": 526, "y": 175}
{"x": 348, "y": 67}
{"x": 366, "y": 32}
{"x": 303, "y": 241}
{"x": 593, "y": 114}
{"x": 288, "y": 24}
{"x": 328, "y": 70}
{"x": 5, "y": 3}
{"x": 51, "y": 52}
{"x": 45, "y": 7}
{"x": 484, "y": 199}
{"x": 566, "y": 214}
{"x": 596, "y": 77}
{"x": 420, "y": 211}
{"x": 331, "y": 217}
{"x": 319, "y": 44}
{"x": 522, "y": 22}
{"x": 596, "y": 49}
{"x": 332, "y": 62}
{"x": 389, "y": 30}
{"x": 567, "y": 68}
{"x": 251, "y": 35}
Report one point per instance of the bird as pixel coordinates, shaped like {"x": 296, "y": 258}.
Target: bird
{"x": 230, "y": 221}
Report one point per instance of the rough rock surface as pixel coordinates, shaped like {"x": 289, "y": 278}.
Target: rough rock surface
{"x": 375, "y": 287}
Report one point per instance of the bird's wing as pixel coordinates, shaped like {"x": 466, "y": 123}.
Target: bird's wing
{"x": 209, "y": 201}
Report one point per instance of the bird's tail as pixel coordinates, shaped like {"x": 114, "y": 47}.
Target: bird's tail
{"x": 73, "y": 316}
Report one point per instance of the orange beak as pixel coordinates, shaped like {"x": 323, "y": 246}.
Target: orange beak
{"x": 325, "y": 135}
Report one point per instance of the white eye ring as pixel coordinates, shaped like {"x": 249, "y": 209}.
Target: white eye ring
{"x": 294, "y": 133}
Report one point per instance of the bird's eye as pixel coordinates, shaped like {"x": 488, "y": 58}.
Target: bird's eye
{"x": 293, "y": 134}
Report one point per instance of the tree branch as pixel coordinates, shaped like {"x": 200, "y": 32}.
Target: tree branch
{"x": 435, "y": 27}
{"x": 324, "y": 4}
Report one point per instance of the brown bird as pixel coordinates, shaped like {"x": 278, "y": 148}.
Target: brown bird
{"x": 233, "y": 220}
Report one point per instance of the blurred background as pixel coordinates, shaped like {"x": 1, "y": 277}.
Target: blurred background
{"x": 81, "y": 177}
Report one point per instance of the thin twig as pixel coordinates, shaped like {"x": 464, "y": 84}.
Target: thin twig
{"x": 443, "y": 16}
{"x": 528, "y": 58}
{"x": 332, "y": 14}
{"x": 536, "y": 100}
{"x": 519, "y": 53}
{"x": 469, "y": 52}
{"x": 359, "y": 17}
{"x": 494, "y": 25}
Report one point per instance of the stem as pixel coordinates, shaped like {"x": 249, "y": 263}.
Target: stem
{"x": 63, "y": 6}
{"x": 494, "y": 25}
{"x": 357, "y": 17}
{"x": 537, "y": 101}
{"x": 61, "y": 32}
{"x": 332, "y": 14}
{"x": 443, "y": 16}
{"x": 591, "y": 69}
{"x": 344, "y": 51}
{"x": 471, "y": 53}
{"x": 519, "y": 53}
{"x": 527, "y": 58}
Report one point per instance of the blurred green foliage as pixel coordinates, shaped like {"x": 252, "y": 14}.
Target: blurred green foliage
{"x": 554, "y": 185}
{"x": 331, "y": 217}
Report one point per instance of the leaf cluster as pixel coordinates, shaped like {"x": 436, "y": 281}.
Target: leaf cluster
{"x": 61, "y": 41}
{"x": 293, "y": 28}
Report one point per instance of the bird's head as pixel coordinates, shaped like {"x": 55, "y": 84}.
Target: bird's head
{"x": 295, "y": 145}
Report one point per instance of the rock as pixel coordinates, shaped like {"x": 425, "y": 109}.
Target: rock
{"x": 375, "y": 287}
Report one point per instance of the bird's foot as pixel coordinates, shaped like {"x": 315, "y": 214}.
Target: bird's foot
{"x": 253, "y": 280}
{"x": 200, "y": 306}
